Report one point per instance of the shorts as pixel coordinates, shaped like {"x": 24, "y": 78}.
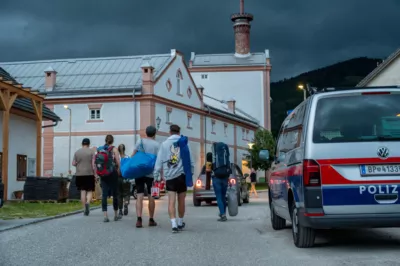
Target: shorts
{"x": 85, "y": 182}
{"x": 141, "y": 182}
{"x": 178, "y": 184}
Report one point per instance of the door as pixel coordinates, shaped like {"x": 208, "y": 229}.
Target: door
{"x": 359, "y": 162}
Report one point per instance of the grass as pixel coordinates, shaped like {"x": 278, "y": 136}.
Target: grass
{"x": 21, "y": 210}
{"x": 261, "y": 186}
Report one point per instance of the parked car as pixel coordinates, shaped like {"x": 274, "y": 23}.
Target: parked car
{"x": 200, "y": 193}
{"x": 161, "y": 185}
{"x": 337, "y": 163}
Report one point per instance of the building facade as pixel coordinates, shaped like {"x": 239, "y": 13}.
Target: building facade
{"x": 122, "y": 96}
{"x": 21, "y": 132}
{"x": 385, "y": 74}
{"x": 242, "y": 75}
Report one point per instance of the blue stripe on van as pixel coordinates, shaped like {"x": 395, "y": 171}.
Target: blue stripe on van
{"x": 357, "y": 195}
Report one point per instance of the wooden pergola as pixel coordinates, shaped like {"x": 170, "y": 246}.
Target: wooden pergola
{"x": 9, "y": 92}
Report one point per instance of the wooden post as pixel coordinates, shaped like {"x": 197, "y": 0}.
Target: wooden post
{"x": 7, "y": 100}
{"x": 38, "y": 107}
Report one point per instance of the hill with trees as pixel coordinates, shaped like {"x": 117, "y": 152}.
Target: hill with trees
{"x": 286, "y": 95}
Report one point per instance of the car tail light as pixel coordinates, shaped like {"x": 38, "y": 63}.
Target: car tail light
{"x": 232, "y": 181}
{"x": 375, "y": 92}
{"x": 198, "y": 183}
{"x": 311, "y": 173}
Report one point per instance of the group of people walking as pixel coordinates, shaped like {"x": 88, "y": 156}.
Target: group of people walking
{"x": 104, "y": 166}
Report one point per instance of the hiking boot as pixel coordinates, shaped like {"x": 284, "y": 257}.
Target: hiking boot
{"x": 175, "y": 230}
{"x": 125, "y": 209}
{"x": 139, "y": 223}
{"x": 106, "y": 220}
{"x": 181, "y": 227}
{"x": 120, "y": 215}
{"x": 223, "y": 218}
{"x": 87, "y": 210}
{"x": 116, "y": 218}
{"x": 152, "y": 222}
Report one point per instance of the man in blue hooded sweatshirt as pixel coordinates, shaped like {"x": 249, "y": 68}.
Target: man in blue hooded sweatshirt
{"x": 172, "y": 158}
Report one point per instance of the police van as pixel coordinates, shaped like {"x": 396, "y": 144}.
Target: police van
{"x": 337, "y": 163}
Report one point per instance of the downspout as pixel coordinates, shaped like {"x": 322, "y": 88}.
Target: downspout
{"x": 52, "y": 125}
{"x": 205, "y": 131}
{"x": 134, "y": 116}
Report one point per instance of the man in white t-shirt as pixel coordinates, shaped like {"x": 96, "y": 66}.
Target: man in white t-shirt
{"x": 148, "y": 145}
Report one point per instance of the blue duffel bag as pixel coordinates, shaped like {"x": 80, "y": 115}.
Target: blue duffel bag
{"x": 140, "y": 165}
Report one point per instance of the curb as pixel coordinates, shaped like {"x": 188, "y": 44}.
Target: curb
{"x": 47, "y": 219}
{"x": 262, "y": 190}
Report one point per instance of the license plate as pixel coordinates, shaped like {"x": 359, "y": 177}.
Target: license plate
{"x": 378, "y": 169}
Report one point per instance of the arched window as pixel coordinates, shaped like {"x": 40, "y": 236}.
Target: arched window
{"x": 178, "y": 81}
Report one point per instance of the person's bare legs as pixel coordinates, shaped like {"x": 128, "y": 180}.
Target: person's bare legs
{"x": 181, "y": 209}
{"x": 89, "y": 196}
{"x": 172, "y": 209}
{"x": 152, "y": 206}
{"x": 83, "y": 198}
{"x": 139, "y": 204}
{"x": 253, "y": 189}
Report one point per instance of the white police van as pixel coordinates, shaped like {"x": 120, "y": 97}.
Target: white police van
{"x": 337, "y": 163}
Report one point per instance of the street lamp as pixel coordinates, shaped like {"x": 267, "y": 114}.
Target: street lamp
{"x": 301, "y": 87}
{"x": 250, "y": 144}
{"x": 69, "y": 145}
{"x": 158, "y": 121}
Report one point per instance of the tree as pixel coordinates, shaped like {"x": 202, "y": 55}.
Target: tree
{"x": 263, "y": 140}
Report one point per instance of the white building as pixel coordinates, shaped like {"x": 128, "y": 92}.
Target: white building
{"x": 242, "y": 75}
{"x": 385, "y": 74}
{"x": 122, "y": 96}
{"x": 22, "y": 113}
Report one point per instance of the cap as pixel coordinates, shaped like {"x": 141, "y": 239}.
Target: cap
{"x": 151, "y": 131}
{"x": 86, "y": 141}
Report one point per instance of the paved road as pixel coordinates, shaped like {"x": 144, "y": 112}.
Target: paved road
{"x": 244, "y": 240}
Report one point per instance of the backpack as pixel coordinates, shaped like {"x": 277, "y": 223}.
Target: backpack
{"x": 104, "y": 160}
{"x": 221, "y": 162}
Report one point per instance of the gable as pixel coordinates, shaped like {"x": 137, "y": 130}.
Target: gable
{"x": 176, "y": 84}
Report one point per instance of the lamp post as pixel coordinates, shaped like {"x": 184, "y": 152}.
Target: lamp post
{"x": 158, "y": 121}
{"x": 250, "y": 144}
{"x": 69, "y": 135}
{"x": 301, "y": 87}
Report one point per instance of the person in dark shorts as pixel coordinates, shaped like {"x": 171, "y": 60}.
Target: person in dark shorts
{"x": 169, "y": 159}
{"x": 147, "y": 145}
{"x": 109, "y": 183}
{"x": 84, "y": 176}
{"x": 124, "y": 187}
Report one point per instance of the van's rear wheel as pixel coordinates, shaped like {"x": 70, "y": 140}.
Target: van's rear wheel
{"x": 303, "y": 237}
{"x": 277, "y": 222}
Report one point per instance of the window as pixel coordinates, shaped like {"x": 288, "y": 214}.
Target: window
{"x": 247, "y": 134}
{"x": 226, "y": 129}
{"x": 168, "y": 118}
{"x": 213, "y": 127}
{"x": 204, "y": 76}
{"x": 21, "y": 167}
{"x": 95, "y": 114}
{"x": 178, "y": 81}
{"x": 189, "y": 121}
{"x": 243, "y": 134}
{"x": 377, "y": 118}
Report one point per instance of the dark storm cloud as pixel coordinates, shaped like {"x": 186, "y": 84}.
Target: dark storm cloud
{"x": 301, "y": 35}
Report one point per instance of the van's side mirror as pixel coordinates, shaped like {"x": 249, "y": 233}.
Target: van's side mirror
{"x": 264, "y": 155}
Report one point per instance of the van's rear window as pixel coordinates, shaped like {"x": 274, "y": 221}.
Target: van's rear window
{"x": 357, "y": 118}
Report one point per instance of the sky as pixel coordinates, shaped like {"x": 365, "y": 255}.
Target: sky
{"x": 300, "y": 35}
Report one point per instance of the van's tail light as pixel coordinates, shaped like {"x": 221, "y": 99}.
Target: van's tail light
{"x": 232, "y": 181}
{"x": 198, "y": 183}
{"x": 311, "y": 173}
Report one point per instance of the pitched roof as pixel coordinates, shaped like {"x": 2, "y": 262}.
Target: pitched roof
{"x": 220, "y": 106}
{"x": 25, "y": 104}
{"x": 85, "y": 74}
{"x": 207, "y": 60}
{"x": 379, "y": 68}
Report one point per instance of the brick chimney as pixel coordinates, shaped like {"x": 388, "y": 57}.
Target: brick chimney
{"x": 50, "y": 78}
{"x": 241, "y": 26}
{"x": 147, "y": 78}
{"x": 232, "y": 105}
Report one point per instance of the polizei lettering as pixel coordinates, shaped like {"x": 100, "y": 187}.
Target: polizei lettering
{"x": 379, "y": 189}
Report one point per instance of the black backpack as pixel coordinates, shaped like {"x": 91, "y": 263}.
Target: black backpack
{"x": 221, "y": 162}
